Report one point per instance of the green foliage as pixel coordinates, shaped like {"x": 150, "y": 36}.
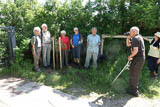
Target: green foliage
{"x": 110, "y": 17}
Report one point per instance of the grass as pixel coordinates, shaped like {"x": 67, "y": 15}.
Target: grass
{"x": 91, "y": 80}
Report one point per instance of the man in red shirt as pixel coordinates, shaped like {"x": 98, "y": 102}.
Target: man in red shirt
{"x": 64, "y": 47}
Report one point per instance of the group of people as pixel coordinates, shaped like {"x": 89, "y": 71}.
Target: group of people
{"x": 41, "y": 42}
{"x": 134, "y": 40}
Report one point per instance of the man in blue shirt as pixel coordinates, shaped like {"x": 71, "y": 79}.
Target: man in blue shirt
{"x": 76, "y": 41}
{"x": 93, "y": 43}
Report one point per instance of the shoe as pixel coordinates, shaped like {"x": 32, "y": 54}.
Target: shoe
{"x": 79, "y": 66}
{"x": 39, "y": 70}
{"x": 85, "y": 68}
{"x": 49, "y": 66}
{"x": 46, "y": 67}
{"x": 136, "y": 94}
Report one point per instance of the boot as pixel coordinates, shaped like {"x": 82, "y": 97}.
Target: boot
{"x": 130, "y": 92}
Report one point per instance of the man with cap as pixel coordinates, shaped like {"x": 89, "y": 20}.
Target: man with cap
{"x": 136, "y": 42}
{"x": 76, "y": 41}
{"x": 154, "y": 54}
{"x": 46, "y": 43}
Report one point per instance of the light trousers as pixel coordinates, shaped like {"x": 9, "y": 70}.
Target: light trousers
{"x": 91, "y": 54}
{"x": 46, "y": 54}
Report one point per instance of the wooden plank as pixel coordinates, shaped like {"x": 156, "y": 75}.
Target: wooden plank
{"x": 102, "y": 45}
{"x": 119, "y": 37}
{"x": 122, "y": 36}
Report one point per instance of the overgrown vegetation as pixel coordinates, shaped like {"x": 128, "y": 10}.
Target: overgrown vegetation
{"x": 91, "y": 80}
{"x": 110, "y": 17}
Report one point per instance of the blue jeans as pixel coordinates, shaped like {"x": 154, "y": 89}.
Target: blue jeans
{"x": 91, "y": 54}
{"x": 46, "y": 54}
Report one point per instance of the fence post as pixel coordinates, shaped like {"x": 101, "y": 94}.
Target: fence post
{"x": 12, "y": 42}
{"x": 53, "y": 53}
{"x": 60, "y": 52}
{"x": 102, "y": 45}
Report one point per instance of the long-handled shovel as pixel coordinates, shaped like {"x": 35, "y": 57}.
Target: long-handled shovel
{"x": 125, "y": 68}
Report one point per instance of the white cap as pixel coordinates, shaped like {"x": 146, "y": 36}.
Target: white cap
{"x": 44, "y": 25}
{"x": 157, "y": 34}
{"x": 36, "y": 29}
{"x": 76, "y": 28}
{"x": 63, "y": 32}
{"x": 135, "y": 28}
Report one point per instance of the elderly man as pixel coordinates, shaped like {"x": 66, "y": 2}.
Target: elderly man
{"x": 46, "y": 43}
{"x": 136, "y": 42}
{"x": 93, "y": 43}
{"x": 36, "y": 48}
{"x": 76, "y": 41}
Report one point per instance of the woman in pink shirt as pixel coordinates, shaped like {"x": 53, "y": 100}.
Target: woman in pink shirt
{"x": 64, "y": 47}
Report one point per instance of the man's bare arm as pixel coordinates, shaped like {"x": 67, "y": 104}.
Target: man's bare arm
{"x": 134, "y": 52}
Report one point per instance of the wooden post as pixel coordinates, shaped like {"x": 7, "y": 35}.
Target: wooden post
{"x": 53, "y": 53}
{"x": 102, "y": 44}
{"x": 60, "y": 52}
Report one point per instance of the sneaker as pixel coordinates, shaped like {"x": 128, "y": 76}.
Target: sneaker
{"x": 49, "y": 66}
{"x": 85, "y": 68}
{"x": 46, "y": 67}
{"x": 38, "y": 70}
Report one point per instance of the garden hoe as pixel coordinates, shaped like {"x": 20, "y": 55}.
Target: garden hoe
{"x": 125, "y": 68}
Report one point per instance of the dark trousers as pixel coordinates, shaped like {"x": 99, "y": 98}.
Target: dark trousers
{"x": 152, "y": 65}
{"x": 76, "y": 51}
{"x": 65, "y": 57}
{"x": 135, "y": 69}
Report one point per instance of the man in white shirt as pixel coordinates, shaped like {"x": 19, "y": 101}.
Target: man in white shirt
{"x": 46, "y": 43}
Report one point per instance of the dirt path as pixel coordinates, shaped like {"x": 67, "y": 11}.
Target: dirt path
{"x": 16, "y": 92}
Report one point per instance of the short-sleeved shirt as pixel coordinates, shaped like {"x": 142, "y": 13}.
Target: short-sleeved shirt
{"x": 36, "y": 41}
{"x": 93, "y": 43}
{"x": 75, "y": 39}
{"x": 65, "y": 42}
{"x": 46, "y": 37}
{"x": 138, "y": 41}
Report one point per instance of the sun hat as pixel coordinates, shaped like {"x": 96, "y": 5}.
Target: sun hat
{"x": 157, "y": 34}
